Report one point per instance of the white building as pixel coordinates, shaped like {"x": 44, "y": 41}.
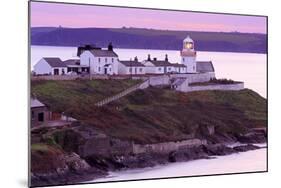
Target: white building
{"x": 50, "y": 66}
{"x": 131, "y": 67}
{"x": 154, "y": 66}
{"x": 188, "y": 55}
{"x": 100, "y": 61}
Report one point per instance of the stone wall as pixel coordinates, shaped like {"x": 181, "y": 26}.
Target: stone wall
{"x": 159, "y": 80}
{"x": 198, "y": 77}
{"x": 167, "y": 147}
{"x": 235, "y": 87}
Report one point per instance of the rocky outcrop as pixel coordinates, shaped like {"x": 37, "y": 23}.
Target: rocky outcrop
{"x": 91, "y": 154}
{"x": 52, "y": 166}
{"x": 253, "y": 137}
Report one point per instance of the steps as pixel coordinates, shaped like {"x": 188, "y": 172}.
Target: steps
{"x": 105, "y": 101}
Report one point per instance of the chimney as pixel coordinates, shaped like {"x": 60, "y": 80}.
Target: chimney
{"x": 110, "y": 47}
{"x": 148, "y": 58}
{"x": 154, "y": 59}
{"x": 136, "y": 59}
{"x": 166, "y": 57}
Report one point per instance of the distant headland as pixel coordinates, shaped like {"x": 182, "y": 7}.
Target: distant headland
{"x": 141, "y": 38}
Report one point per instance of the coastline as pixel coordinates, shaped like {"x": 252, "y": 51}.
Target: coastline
{"x": 137, "y": 165}
{"x": 200, "y": 167}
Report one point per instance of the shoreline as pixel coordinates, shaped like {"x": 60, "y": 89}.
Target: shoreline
{"x": 97, "y": 175}
{"x": 116, "y": 176}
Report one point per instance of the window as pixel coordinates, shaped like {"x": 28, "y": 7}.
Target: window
{"x": 109, "y": 69}
{"x": 99, "y": 59}
{"x": 160, "y": 69}
{"x": 106, "y": 60}
{"x": 193, "y": 67}
{"x": 183, "y": 59}
{"x": 130, "y": 70}
{"x": 32, "y": 115}
{"x": 99, "y": 69}
{"x": 41, "y": 116}
{"x": 140, "y": 69}
{"x": 89, "y": 60}
{"x": 169, "y": 68}
{"x": 112, "y": 60}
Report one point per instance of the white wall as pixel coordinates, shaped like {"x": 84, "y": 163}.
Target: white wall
{"x": 42, "y": 67}
{"x": 97, "y": 63}
{"x": 60, "y": 70}
{"x": 190, "y": 63}
{"x": 122, "y": 69}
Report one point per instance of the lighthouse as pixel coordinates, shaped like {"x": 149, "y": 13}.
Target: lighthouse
{"x": 188, "y": 55}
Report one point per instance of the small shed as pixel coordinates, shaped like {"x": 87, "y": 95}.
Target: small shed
{"x": 39, "y": 112}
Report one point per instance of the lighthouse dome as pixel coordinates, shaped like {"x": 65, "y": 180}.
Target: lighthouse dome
{"x": 188, "y": 39}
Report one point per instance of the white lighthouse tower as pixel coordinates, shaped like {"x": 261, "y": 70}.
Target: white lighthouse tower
{"x": 188, "y": 55}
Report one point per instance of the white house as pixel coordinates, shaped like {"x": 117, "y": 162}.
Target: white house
{"x": 100, "y": 61}
{"x": 131, "y": 67}
{"x": 154, "y": 66}
{"x": 188, "y": 55}
{"x": 50, "y": 66}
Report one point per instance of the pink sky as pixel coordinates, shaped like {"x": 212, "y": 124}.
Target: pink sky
{"x": 77, "y": 16}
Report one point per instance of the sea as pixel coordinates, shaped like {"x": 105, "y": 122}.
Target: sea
{"x": 251, "y": 68}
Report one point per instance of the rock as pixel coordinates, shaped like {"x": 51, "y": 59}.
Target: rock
{"x": 252, "y": 137}
{"x": 245, "y": 148}
{"x": 218, "y": 149}
{"x": 188, "y": 154}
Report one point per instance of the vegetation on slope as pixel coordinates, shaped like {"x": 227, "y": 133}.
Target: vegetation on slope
{"x": 158, "y": 115}
{"x": 70, "y": 96}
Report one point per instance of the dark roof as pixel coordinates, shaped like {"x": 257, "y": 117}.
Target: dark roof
{"x": 54, "y": 62}
{"x": 178, "y": 65}
{"x": 81, "y": 49}
{"x": 103, "y": 53}
{"x": 204, "y": 66}
{"x": 158, "y": 63}
{"x": 72, "y": 62}
{"x": 35, "y": 103}
{"x": 132, "y": 63}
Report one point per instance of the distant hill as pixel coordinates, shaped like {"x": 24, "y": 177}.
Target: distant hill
{"x": 139, "y": 38}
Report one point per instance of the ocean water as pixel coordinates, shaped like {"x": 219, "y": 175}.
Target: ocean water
{"x": 248, "y": 67}
{"x": 250, "y": 161}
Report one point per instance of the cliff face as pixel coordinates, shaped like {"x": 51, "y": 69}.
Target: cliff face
{"x": 50, "y": 165}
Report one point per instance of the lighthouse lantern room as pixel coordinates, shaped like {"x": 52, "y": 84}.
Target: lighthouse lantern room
{"x": 188, "y": 55}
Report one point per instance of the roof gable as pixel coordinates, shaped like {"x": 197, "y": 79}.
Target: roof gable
{"x": 72, "y": 62}
{"x": 204, "y": 66}
{"x": 54, "y": 62}
{"x": 103, "y": 53}
{"x": 132, "y": 63}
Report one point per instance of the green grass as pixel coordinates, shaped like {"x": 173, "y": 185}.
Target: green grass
{"x": 154, "y": 115}
{"x": 76, "y": 95}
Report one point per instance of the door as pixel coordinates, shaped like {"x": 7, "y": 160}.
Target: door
{"x": 41, "y": 116}
{"x": 56, "y": 71}
{"x": 105, "y": 70}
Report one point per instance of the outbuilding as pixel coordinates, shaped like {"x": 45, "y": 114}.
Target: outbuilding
{"x": 131, "y": 67}
{"x": 50, "y": 66}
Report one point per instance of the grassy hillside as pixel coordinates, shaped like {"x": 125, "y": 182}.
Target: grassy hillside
{"x": 71, "y": 96}
{"x": 156, "y": 115}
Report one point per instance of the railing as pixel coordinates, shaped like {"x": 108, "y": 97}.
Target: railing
{"x": 142, "y": 85}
